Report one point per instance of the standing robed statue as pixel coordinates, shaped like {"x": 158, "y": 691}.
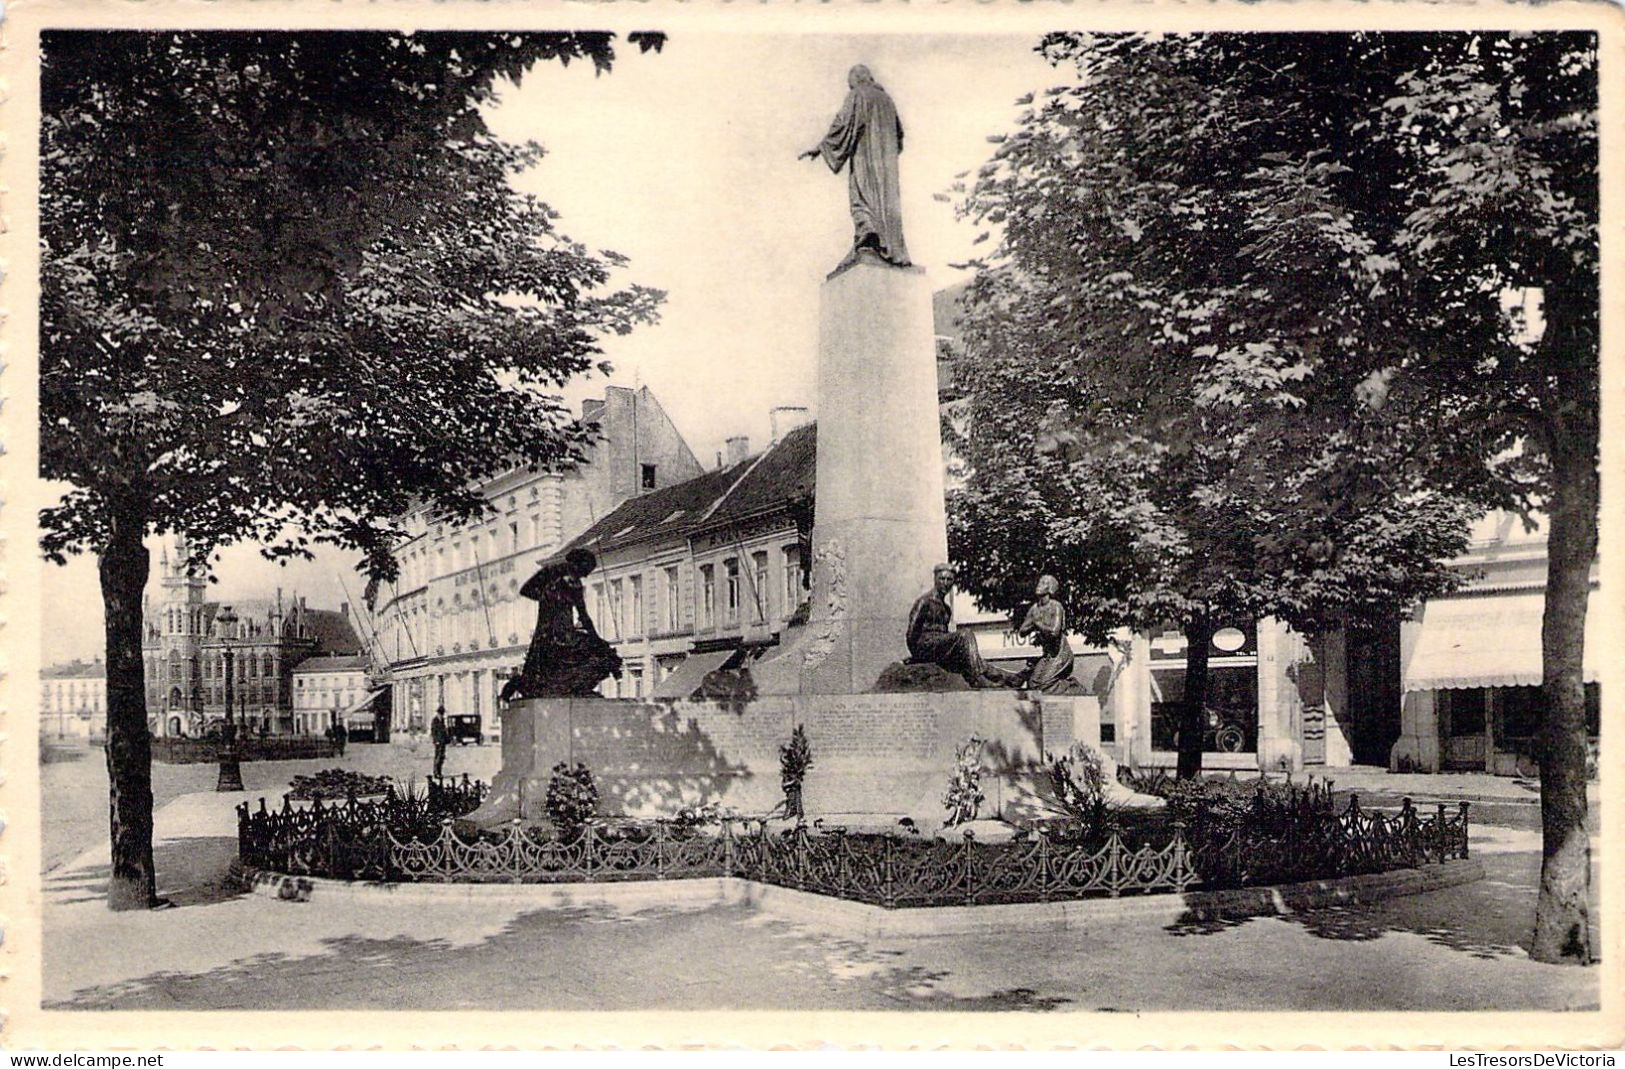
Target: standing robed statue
{"x": 866, "y": 138}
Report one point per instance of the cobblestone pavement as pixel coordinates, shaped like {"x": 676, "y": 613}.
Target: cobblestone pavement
{"x": 1453, "y": 949}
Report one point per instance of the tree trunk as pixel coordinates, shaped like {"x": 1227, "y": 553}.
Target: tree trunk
{"x": 123, "y": 567}
{"x": 1563, "y": 909}
{"x": 1193, "y": 713}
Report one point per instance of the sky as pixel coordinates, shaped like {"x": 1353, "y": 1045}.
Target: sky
{"x": 685, "y": 162}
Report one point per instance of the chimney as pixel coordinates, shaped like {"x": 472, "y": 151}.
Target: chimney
{"x": 738, "y": 449}
{"x": 786, "y": 418}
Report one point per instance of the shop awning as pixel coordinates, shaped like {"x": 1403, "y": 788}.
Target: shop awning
{"x": 1491, "y": 641}
{"x": 686, "y": 678}
{"x": 364, "y": 703}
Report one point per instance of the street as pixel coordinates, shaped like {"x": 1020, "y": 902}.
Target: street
{"x": 74, "y": 799}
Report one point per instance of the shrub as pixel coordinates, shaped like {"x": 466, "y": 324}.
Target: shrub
{"x": 964, "y": 798}
{"x": 336, "y": 783}
{"x": 1216, "y": 806}
{"x": 572, "y": 797}
{"x": 1155, "y": 781}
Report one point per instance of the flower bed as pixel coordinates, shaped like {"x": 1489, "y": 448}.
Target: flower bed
{"x": 1276, "y": 838}
{"x": 337, "y": 784}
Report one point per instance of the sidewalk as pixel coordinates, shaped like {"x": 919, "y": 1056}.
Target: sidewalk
{"x": 1439, "y": 786}
{"x": 1451, "y": 949}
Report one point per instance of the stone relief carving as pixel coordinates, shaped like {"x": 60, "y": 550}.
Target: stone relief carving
{"x": 822, "y": 635}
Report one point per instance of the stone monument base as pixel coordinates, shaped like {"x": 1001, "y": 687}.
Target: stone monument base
{"x": 876, "y": 758}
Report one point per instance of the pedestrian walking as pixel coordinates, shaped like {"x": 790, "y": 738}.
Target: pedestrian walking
{"x": 440, "y": 737}
{"x": 341, "y": 736}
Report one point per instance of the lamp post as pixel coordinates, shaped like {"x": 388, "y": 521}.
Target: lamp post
{"x": 231, "y": 772}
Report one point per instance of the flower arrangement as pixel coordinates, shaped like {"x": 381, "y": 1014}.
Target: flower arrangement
{"x": 1078, "y": 779}
{"x": 795, "y": 758}
{"x": 964, "y": 798}
{"x": 572, "y": 797}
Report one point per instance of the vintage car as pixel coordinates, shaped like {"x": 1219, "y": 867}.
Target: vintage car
{"x": 464, "y": 728}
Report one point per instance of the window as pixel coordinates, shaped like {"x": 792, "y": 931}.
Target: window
{"x": 634, "y": 606}
{"x": 792, "y": 578}
{"x": 674, "y": 602}
{"x": 648, "y": 476}
{"x": 731, "y": 602}
{"x": 513, "y": 537}
{"x": 617, "y": 605}
{"x": 759, "y": 587}
{"x": 1462, "y": 711}
{"x": 535, "y": 532}
{"x": 1232, "y": 709}
{"x": 635, "y": 681}
{"x": 708, "y": 596}
{"x": 1517, "y": 713}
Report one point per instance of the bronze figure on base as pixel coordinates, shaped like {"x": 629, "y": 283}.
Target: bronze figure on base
{"x": 930, "y": 640}
{"x": 1045, "y": 623}
{"x": 567, "y": 658}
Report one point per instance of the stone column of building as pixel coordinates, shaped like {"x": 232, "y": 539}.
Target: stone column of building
{"x": 1279, "y": 706}
{"x": 1417, "y": 749}
{"x": 879, "y": 523}
{"x": 1130, "y": 701}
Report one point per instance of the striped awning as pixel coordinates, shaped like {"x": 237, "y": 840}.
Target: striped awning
{"x": 364, "y": 703}
{"x": 1491, "y": 641}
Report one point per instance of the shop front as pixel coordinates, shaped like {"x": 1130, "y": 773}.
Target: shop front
{"x": 1275, "y": 701}
{"x": 1471, "y": 672}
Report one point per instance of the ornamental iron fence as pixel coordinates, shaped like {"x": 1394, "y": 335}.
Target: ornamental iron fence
{"x": 177, "y": 750}
{"x": 418, "y": 839}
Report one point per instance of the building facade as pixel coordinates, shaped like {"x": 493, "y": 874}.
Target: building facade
{"x": 454, "y": 628}
{"x": 333, "y": 690}
{"x": 186, "y": 648}
{"x": 73, "y": 701}
{"x": 1471, "y": 663}
{"x": 705, "y": 574}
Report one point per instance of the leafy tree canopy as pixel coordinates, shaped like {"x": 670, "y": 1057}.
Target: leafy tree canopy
{"x": 1245, "y": 345}
{"x": 285, "y": 277}
{"x": 1234, "y": 271}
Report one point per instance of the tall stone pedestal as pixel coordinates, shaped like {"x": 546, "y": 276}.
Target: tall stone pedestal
{"x": 879, "y": 523}
{"x": 876, "y": 757}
